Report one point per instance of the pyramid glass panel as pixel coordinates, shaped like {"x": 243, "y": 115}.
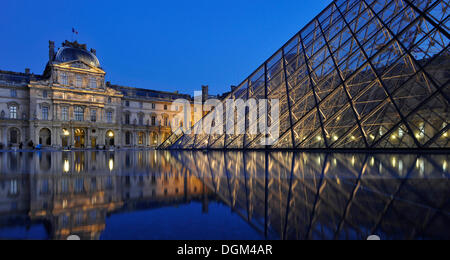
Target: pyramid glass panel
{"x": 364, "y": 74}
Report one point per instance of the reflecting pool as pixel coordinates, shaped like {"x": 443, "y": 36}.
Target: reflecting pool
{"x": 223, "y": 195}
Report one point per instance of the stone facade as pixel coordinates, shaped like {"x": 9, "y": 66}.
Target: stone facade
{"x": 71, "y": 105}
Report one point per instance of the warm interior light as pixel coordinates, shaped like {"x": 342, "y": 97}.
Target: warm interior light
{"x": 111, "y": 164}
{"x": 66, "y": 132}
{"x": 111, "y": 134}
{"x": 66, "y": 166}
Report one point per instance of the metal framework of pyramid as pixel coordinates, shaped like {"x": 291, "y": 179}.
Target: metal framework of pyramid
{"x": 363, "y": 74}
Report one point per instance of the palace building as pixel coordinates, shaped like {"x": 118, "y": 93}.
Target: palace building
{"x": 71, "y": 105}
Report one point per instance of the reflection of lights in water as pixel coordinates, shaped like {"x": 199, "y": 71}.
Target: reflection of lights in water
{"x": 111, "y": 164}
{"x": 353, "y": 161}
{"x": 444, "y": 166}
{"x": 381, "y": 168}
{"x": 64, "y": 204}
{"x": 319, "y": 161}
{"x": 66, "y": 166}
{"x": 372, "y": 137}
{"x": 400, "y": 166}
{"x": 420, "y": 165}
{"x": 394, "y": 162}
{"x": 372, "y": 161}
{"x": 334, "y": 162}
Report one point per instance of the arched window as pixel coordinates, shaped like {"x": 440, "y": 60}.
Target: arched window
{"x": 79, "y": 114}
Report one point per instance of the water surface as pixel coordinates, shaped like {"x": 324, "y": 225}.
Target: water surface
{"x": 217, "y": 195}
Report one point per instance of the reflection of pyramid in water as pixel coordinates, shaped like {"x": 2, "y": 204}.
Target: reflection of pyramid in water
{"x": 363, "y": 74}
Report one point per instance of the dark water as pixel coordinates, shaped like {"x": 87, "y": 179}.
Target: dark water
{"x": 195, "y": 195}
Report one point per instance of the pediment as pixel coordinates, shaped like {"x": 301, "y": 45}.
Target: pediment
{"x": 80, "y": 65}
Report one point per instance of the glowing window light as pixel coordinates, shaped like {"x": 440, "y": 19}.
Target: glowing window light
{"x": 111, "y": 164}
{"x": 66, "y": 166}
{"x": 66, "y": 132}
{"x": 400, "y": 132}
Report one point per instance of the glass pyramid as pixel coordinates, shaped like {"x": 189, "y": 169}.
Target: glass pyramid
{"x": 363, "y": 74}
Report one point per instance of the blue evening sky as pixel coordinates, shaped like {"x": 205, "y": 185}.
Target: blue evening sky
{"x": 162, "y": 45}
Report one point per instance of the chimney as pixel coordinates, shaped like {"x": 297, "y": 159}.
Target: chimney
{"x": 94, "y": 51}
{"x": 51, "y": 50}
{"x": 205, "y": 93}
{"x": 27, "y": 71}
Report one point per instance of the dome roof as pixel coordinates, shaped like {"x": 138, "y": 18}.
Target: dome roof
{"x": 68, "y": 54}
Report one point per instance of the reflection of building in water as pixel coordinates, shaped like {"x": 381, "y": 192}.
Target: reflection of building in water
{"x": 281, "y": 195}
{"x": 75, "y": 195}
{"x": 343, "y": 196}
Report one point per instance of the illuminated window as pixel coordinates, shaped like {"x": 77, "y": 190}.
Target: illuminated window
{"x": 79, "y": 114}
{"x": 141, "y": 138}
{"x": 65, "y": 114}
{"x": 13, "y": 112}
{"x": 44, "y": 113}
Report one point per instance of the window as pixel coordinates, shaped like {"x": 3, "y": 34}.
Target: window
{"x": 65, "y": 114}
{"x": 153, "y": 106}
{"x": 79, "y": 114}
{"x": 64, "y": 79}
{"x": 165, "y": 107}
{"x": 109, "y": 100}
{"x": 13, "y": 112}
{"x": 141, "y": 138}
{"x": 127, "y": 103}
{"x": 44, "y": 113}
{"x": 141, "y": 119}
{"x": 79, "y": 83}
{"x": 13, "y": 93}
{"x": 93, "y": 83}
{"x": 127, "y": 118}
{"x": 109, "y": 116}
{"x": 128, "y": 138}
{"x": 141, "y": 105}
{"x": 166, "y": 121}
{"x": 45, "y": 94}
{"x": 153, "y": 120}
{"x": 93, "y": 115}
